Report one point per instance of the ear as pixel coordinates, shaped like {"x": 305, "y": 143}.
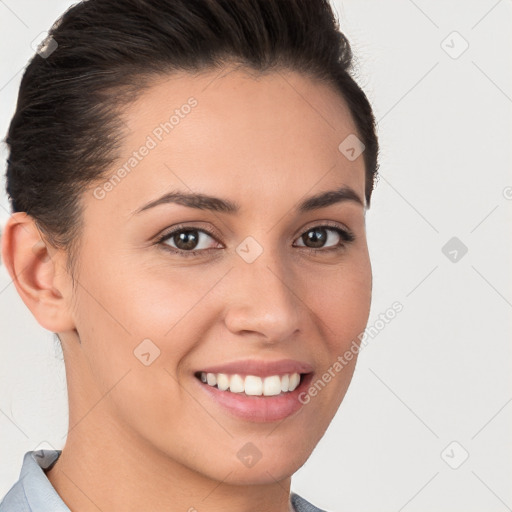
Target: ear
{"x": 38, "y": 272}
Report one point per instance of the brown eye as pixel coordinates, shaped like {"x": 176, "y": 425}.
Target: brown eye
{"x": 187, "y": 241}
{"x": 316, "y": 237}
{"x": 319, "y": 236}
{"x": 192, "y": 241}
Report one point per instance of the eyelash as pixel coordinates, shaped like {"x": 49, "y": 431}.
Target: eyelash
{"x": 346, "y": 238}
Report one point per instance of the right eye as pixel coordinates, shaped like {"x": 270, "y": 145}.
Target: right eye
{"x": 186, "y": 239}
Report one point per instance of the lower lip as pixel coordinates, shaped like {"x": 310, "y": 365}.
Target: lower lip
{"x": 259, "y": 409}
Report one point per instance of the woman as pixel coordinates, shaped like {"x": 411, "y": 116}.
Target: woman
{"x": 189, "y": 182}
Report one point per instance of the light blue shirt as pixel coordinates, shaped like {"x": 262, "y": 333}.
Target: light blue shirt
{"x": 33, "y": 492}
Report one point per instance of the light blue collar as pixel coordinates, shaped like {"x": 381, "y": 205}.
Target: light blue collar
{"x": 33, "y": 492}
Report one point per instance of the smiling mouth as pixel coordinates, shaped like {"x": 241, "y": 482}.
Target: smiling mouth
{"x": 252, "y": 385}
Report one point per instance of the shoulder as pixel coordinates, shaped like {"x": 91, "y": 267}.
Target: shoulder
{"x": 15, "y": 499}
{"x": 301, "y": 505}
{"x": 33, "y": 492}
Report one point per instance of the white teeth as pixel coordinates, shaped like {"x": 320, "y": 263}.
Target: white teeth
{"x": 294, "y": 381}
{"x": 236, "y": 384}
{"x": 272, "y": 386}
{"x": 222, "y": 381}
{"x": 285, "y": 383}
{"x": 253, "y": 385}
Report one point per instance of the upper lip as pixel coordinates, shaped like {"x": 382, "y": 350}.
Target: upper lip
{"x": 261, "y": 368}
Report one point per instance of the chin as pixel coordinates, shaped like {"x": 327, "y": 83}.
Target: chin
{"x": 267, "y": 470}
{"x": 261, "y": 475}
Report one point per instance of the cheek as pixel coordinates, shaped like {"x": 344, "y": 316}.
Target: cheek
{"x": 126, "y": 313}
{"x": 341, "y": 298}
{"x": 341, "y": 302}
{"x": 134, "y": 301}
{"x": 136, "y": 328}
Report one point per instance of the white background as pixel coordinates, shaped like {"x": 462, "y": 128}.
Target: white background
{"x": 441, "y": 370}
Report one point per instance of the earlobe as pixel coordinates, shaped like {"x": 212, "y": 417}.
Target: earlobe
{"x": 39, "y": 276}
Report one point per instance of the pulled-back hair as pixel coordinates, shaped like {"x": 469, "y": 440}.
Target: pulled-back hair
{"x": 67, "y": 127}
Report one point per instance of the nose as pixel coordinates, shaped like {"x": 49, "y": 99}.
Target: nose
{"x": 264, "y": 299}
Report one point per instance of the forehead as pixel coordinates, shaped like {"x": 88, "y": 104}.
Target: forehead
{"x": 233, "y": 133}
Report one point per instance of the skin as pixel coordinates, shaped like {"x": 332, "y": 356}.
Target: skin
{"x": 266, "y": 142}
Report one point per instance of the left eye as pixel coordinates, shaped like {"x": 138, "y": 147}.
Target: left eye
{"x": 188, "y": 241}
{"x": 320, "y": 235}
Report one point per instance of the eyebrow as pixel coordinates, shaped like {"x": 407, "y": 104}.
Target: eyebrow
{"x": 216, "y": 204}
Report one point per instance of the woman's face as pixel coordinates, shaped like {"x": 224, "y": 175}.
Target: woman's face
{"x": 272, "y": 288}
